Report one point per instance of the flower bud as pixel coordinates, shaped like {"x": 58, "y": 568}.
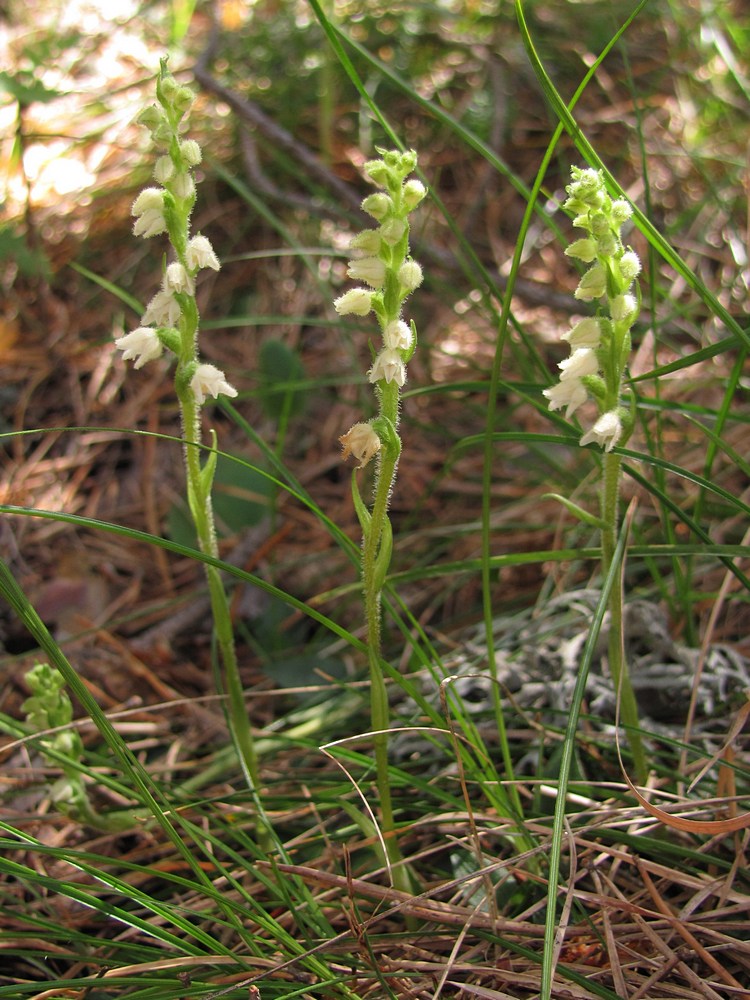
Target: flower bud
{"x": 392, "y": 230}
{"x": 414, "y": 193}
{"x": 377, "y": 171}
{"x": 584, "y": 333}
{"x": 191, "y": 153}
{"x": 607, "y": 244}
{"x": 410, "y": 275}
{"x": 357, "y": 302}
{"x": 622, "y": 308}
{"x": 151, "y": 117}
{"x": 600, "y": 225}
{"x": 368, "y": 241}
{"x": 621, "y": 211}
{"x": 377, "y": 205}
{"x": 584, "y": 250}
{"x": 164, "y": 169}
{"x": 593, "y": 284}
{"x": 630, "y": 266}
{"x": 183, "y": 186}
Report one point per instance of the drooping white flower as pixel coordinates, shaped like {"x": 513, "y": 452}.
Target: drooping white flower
{"x": 209, "y": 380}
{"x": 362, "y": 442}
{"x": 176, "y": 279}
{"x": 413, "y": 192}
{"x": 593, "y": 284}
{"x": 141, "y": 345}
{"x": 569, "y": 394}
{"x": 389, "y": 366}
{"x": 397, "y": 335}
{"x": 369, "y": 269}
{"x": 356, "y": 302}
{"x": 162, "y": 310}
{"x": 583, "y": 361}
{"x": 605, "y": 432}
{"x": 148, "y": 210}
{"x": 585, "y": 333}
{"x": 410, "y": 275}
{"x": 199, "y": 253}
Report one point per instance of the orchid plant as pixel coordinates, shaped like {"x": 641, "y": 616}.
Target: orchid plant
{"x": 171, "y": 323}
{"x": 382, "y": 262}
{"x": 597, "y": 367}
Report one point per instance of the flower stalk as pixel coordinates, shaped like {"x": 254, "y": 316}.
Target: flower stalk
{"x": 171, "y": 322}
{"x": 383, "y": 262}
{"x": 597, "y": 368}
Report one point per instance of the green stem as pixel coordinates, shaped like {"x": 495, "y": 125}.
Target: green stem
{"x": 201, "y": 508}
{"x": 617, "y": 663}
{"x": 379, "y": 712}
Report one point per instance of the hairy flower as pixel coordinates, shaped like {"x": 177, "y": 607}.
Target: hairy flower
{"x": 142, "y": 345}
{"x": 593, "y": 284}
{"x": 148, "y": 210}
{"x": 190, "y": 152}
{"x": 630, "y": 266}
{"x": 392, "y": 230}
{"x": 164, "y": 169}
{"x": 368, "y": 241}
{"x": 410, "y": 275}
{"x": 362, "y": 442}
{"x": 162, "y": 310}
{"x": 176, "y": 279}
{"x": 377, "y": 205}
{"x": 209, "y": 380}
{"x": 414, "y": 191}
{"x": 397, "y": 335}
{"x": 200, "y": 253}
{"x": 369, "y": 269}
{"x": 356, "y": 302}
{"x": 623, "y": 307}
{"x": 183, "y": 185}
{"x": 584, "y": 250}
{"x": 585, "y": 333}
{"x": 569, "y": 394}
{"x": 605, "y": 432}
{"x": 583, "y": 361}
{"x": 389, "y": 366}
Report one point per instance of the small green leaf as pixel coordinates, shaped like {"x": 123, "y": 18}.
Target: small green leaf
{"x": 363, "y": 513}
{"x": 576, "y": 511}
